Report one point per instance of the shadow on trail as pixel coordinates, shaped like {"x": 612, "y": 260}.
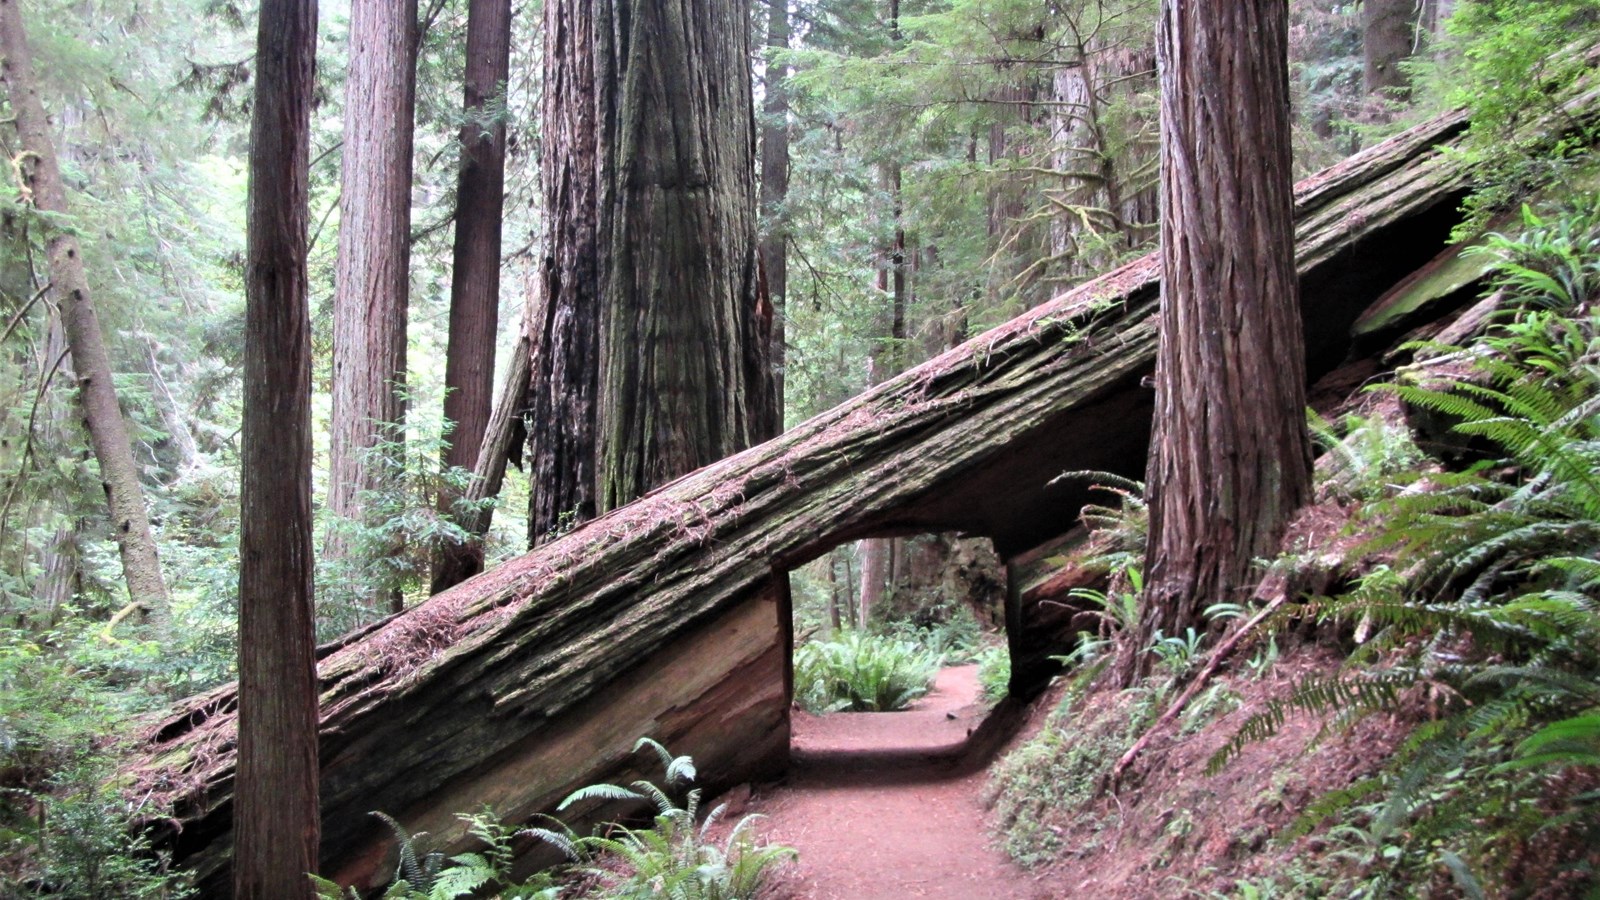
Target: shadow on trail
{"x": 948, "y": 734}
{"x": 887, "y": 766}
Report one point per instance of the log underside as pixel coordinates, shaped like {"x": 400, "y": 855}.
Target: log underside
{"x": 670, "y": 616}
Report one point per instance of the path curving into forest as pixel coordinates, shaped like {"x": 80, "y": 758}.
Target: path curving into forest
{"x": 885, "y": 806}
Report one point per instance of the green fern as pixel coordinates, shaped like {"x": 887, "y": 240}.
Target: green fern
{"x": 1491, "y": 601}
{"x": 674, "y": 857}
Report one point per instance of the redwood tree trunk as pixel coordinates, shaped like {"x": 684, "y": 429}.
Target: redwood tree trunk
{"x": 775, "y": 189}
{"x": 654, "y": 341}
{"x": 369, "y": 313}
{"x": 276, "y": 815}
{"x": 108, "y": 433}
{"x": 1230, "y": 458}
{"x": 475, "y": 277}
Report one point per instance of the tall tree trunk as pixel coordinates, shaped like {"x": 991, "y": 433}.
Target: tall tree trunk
{"x": 475, "y": 276}
{"x": 108, "y": 433}
{"x": 1388, "y": 32}
{"x": 1230, "y": 457}
{"x": 651, "y": 277}
{"x": 775, "y": 189}
{"x": 888, "y": 360}
{"x": 373, "y": 275}
{"x": 276, "y": 817}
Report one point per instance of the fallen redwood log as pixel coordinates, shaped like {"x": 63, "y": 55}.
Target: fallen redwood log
{"x": 670, "y": 617}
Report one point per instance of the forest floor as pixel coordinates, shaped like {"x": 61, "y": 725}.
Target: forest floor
{"x": 890, "y": 805}
{"x": 894, "y": 805}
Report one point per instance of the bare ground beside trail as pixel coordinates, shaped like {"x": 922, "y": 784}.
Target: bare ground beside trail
{"x": 885, "y": 806}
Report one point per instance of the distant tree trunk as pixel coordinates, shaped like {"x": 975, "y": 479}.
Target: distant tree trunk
{"x": 1388, "y": 36}
{"x": 1106, "y": 203}
{"x": 775, "y": 189}
{"x": 276, "y": 817}
{"x": 59, "y": 556}
{"x": 475, "y": 276}
{"x": 179, "y": 437}
{"x": 373, "y": 275}
{"x": 108, "y": 433}
{"x": 888, "y": 360}
{"x": 1230, "y": 459}
{"x": 651, "y": 277}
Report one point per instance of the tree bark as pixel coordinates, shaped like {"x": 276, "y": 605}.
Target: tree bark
{"x": 439, "y": 708}
{"x": 475, "y": 274}
{"x": 277, "y": 812}
{"x": 775, "y": 189}
{"x": 1106, "y": 148}
{"x": 1388, "y": 32}
{"x": 502, "y": 442}
{"x": 108, "y": 432}
{"x": 651, "y": 279}
{"x": 373, "y": 275}
{"x": 1231, "y": 459}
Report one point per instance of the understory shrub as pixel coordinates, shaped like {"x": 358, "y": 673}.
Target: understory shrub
{"x": 1490, "y": 614}
{"x": 860, "y": 672}
{"x": 675, "y": 856}
{"x": 66, "y": 831}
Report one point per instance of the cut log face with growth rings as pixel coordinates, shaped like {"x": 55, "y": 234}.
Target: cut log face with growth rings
{"x": 668, "y": 617}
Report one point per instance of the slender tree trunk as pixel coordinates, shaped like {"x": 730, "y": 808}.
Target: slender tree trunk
{"x": 276, "y": 816}
{"x": 108, "y": 433}
{"x": 1230, "y": 459}
{"x": 564, "y": 386}
{"x": 651, "y": 278}
{"x": 775, "y": 188}
{"x": 369, "y": 314}
{"x": 888, "y": 360}
{"x": 502, "y": 445}
{"x": 475, "y": 277}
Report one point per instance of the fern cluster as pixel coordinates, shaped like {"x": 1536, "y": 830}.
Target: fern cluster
{"x": 857, "y": 671}
{"x": 1491, "y": 609}
{"x": 674, "y": 857}
{"x": 1121, "y": 526}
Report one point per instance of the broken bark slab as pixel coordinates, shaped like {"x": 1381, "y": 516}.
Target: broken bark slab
{"x": 536, "y": 677}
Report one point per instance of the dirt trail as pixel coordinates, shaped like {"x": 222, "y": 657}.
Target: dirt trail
{"x": 885, "y": 806}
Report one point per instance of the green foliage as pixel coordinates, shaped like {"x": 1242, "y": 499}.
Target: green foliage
{"x": 64, "y": 824}
{"x": 1512, "y": 63}
{"x": 1121, "y": 531}
{"x": 392, "y": 546}
{"x": 944, "y": 627}
{"x": 1554, "y": 262}
{"x": 427, "y": 875}
{"x": 1051, "y": 780}
{"x": 1363, "y": 456}
{"x": 675, "y": 857}
{"x": 861, "y": 672}
{"x": 1492, "y": 606}
{"x": 89, "y": 846}
{"x": 994, "y": 671}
